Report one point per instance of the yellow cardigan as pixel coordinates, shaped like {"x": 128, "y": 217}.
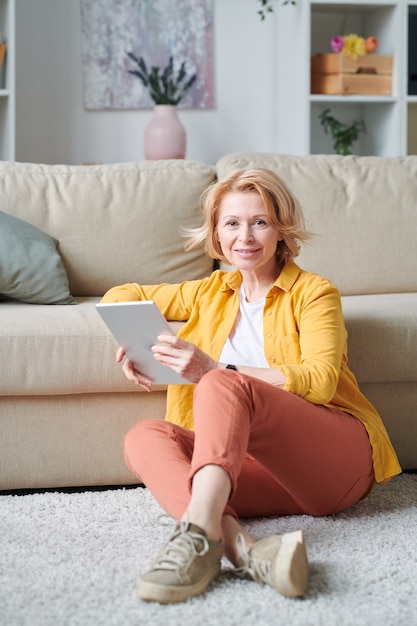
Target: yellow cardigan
{"x": 304, "y": 336}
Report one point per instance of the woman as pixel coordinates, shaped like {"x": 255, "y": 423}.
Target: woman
{"x": 276, "y": 424}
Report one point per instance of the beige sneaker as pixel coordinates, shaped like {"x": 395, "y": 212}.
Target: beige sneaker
{"x": 184, "y": 568}
{"x": 279, "y": 561}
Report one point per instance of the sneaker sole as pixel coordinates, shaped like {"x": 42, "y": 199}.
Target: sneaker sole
{"x": 170, "y": 594}
{"x": 291, "y": 566}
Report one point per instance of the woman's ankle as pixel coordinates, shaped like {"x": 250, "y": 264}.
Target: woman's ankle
{"x": 212, "y": 530}
{"x": 230, "y": 531}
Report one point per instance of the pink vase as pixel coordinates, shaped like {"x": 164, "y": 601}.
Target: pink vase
{"x": 165, "y": 135}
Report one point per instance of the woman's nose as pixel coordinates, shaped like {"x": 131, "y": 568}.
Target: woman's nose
{"x": 245, "y": 233}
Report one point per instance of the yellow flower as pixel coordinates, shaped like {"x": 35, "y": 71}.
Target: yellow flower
{"x": 354, "y": 46}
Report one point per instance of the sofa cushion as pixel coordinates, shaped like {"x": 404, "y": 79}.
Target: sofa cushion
{"x": 116, "y": 223}
{"x": 74, "y": 352}
{"x": 382, "y": 335}
{"x": 58, "y": 350}
{"x": 362, "y": 212}
{"x": 31, "y": 269}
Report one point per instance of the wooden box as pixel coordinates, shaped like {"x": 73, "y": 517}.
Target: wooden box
{"x": 3, "y": 48}
{"x": 336, "y": 73}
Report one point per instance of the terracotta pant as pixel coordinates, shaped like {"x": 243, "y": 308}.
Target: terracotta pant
{"x": 284, "y": 455}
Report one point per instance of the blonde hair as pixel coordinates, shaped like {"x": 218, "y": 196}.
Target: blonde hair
{"x": 282, "y": 207}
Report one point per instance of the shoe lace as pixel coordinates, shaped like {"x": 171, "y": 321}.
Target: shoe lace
{"x": 183, "y": 544}
{"x": 257, "y": 569}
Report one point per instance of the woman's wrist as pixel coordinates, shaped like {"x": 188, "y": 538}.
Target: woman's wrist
{"x": 227, "y": 366}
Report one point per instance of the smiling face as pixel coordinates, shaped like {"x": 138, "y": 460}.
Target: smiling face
{"x": 246, "y": 234}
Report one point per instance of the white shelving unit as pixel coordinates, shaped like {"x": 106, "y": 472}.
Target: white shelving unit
{"x": 306, "y": 29}
{"x": 7, "y": 82}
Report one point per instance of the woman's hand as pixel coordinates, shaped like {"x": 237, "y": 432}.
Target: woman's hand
{"x": 131, "y": 373}
{"x": 183, "y": 357}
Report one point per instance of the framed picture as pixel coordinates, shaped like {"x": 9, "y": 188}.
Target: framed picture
{"x": 154, "y": 30}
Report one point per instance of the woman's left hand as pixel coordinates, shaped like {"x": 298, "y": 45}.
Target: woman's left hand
{"x": 183, "y": 357}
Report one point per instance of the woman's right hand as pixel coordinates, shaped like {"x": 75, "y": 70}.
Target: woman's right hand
{"x": 131, "y": 372}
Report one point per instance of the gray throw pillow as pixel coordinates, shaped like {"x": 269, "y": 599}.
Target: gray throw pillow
{"x": 31, "y": 268}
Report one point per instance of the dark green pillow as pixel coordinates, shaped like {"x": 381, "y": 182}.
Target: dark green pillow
{"x": 31, "y": 268}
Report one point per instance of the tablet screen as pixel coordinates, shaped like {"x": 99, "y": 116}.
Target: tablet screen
{"x": 136, "y": 326}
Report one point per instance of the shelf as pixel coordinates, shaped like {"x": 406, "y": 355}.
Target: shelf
{"x": 357, "y": 5}
{"x": 391, "y": 120}
{"x": 4, "y": 93}
{"x": 353, "y": 99}
{"x": 383, "y": 114}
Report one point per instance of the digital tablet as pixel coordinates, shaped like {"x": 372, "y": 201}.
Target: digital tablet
{"x": 136, "y": 326}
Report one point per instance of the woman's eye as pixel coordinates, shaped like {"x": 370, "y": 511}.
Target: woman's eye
{"x": 231, "y": 223}
{"x": 260, "y": 223}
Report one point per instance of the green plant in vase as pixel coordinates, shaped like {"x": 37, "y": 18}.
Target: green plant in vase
{"x": 165, "y": 136}
{"x": 343, "y": 135}
{"x": 164, "y": 86}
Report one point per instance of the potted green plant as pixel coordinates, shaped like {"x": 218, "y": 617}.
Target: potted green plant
{"x": 165, "y": 136}
{"x": 343, "y": 135}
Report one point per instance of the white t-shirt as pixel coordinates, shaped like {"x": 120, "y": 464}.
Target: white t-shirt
{"x": 245, "y": 344}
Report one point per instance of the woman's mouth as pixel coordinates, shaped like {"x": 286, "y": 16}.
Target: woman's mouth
{"x": 246, "y": 252}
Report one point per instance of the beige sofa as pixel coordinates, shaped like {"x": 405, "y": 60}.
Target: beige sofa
{"x": 65, "y": 406}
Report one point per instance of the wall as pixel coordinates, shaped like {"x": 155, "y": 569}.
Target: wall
{"x": 53, "y": 127}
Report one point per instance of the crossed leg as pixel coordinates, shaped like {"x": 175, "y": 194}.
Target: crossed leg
{"x": 256, "y": 450}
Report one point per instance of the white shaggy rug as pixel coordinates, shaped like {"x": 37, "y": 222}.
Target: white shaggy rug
{"x": 75, "y": 559}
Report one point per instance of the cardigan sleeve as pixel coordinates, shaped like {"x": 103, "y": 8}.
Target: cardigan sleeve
{"x": 319, "y": 345}
{"x": 174, "y": 300}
